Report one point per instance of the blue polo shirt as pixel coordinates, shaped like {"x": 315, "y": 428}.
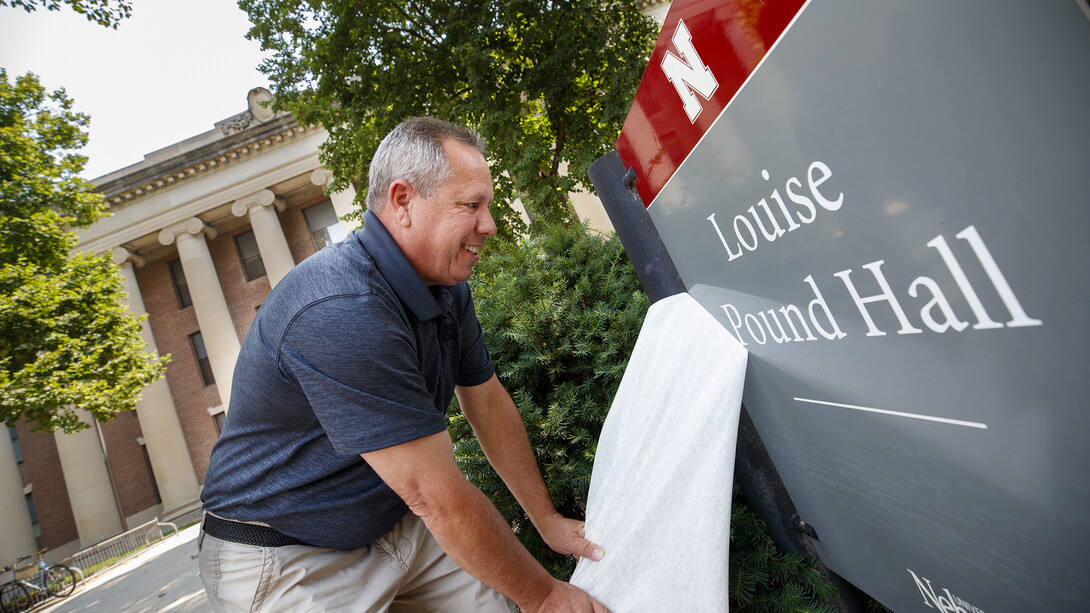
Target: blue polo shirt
{"x": 350, "y": 353}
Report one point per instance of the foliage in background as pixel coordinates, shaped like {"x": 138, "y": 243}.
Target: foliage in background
{"x": 764, "y": 579}
{"x": 66, "y": 338}
{"x": 106, "y": 13}
{"x": 548, "y": 84}
{"x": 876, "y": 607}
{"x": 561, "y": 312}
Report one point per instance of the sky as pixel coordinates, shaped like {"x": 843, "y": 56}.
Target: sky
{"x": 170, "y": 71}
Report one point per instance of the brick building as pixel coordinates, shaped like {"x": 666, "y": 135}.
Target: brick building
{"x": 201, "y": 230}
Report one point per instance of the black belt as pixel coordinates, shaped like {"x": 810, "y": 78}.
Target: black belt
{"x": 246, "y": 534}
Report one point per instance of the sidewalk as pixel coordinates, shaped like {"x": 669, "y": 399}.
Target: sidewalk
{"x": 162, "y": 578}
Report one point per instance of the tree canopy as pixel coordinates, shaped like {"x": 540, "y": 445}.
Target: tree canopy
{"x": 67, "y": 340}
{"x": 547, "y": 83}
{"x": 107, "y": 13}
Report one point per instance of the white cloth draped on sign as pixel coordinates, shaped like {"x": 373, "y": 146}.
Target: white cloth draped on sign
{"x": 660, "y": 492}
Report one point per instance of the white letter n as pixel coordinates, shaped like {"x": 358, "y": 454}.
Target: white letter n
{"x": 688, "y": 73}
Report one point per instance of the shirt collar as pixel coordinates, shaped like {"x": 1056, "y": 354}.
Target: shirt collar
{"x": 396, "y": 269}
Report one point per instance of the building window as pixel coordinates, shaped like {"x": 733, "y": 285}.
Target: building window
{"x": 180, "y": 286}
{"x": 250, "y": 256}
{"x": 202, "y": 359}
{"x": 219, "y": 419}
{"x": 34, "y": 520}
{"x": 323, "y": 225}
{"x": 151, "y": 473}
{"x": 15, "y": 445}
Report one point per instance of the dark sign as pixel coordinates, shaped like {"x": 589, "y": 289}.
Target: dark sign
{"x": 886, "y": 204}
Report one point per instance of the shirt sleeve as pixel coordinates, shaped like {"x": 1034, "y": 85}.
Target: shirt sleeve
{"x": 475, "y": 366}
{"x": 354, "y": 359}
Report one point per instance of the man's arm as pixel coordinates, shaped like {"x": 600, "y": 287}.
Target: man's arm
{"x": 499, "y": 428}
{"x": 468, "y": 528}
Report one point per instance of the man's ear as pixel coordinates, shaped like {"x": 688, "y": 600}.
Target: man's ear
{"x": 398, "y": 199}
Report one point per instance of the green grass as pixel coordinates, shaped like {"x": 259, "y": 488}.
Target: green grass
{"x": 87, "y": 572}
{"x": 108, "y": 562}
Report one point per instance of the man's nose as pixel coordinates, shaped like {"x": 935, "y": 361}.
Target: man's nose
{"x": 486, "y": 226}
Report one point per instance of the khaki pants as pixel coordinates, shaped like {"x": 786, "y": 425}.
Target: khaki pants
{"x": 405, "y": 572}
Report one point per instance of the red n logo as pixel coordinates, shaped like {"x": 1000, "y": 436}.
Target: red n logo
{"x": 688, "y": 73}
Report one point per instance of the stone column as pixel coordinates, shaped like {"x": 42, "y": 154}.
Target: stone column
{"x": 342, "y": 201}
{"x": 87, "y": 480}
{"x": 213, "y": 316}
{"x": 16, "y": 531}
{"x": 164, "y": 440}
{"x": 275, "y": 254}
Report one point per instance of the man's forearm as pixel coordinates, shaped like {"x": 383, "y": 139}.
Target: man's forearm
{"x": 466, "y": 525}
{"x": 502, "y": 435}
{"x": 473, "y": 533}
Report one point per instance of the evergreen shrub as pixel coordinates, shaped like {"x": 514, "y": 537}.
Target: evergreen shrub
{"x": 561, "y": 311}
{"x": 764, "y": 579}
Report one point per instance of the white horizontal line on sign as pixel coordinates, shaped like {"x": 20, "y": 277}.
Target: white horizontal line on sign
{"x": 941, "y": 420}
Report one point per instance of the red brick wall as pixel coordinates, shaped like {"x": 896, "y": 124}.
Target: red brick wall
{"x": 296, "y": 231}
{"x": 41, "y": 468}
{"x": 242, "y": 296}
{"x": 130, "y": 471}
{"x": 172, "y": 325}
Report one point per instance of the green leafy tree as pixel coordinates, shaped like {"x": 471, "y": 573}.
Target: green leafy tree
{"x": 561, "y": 311}
{"x": 107, "y": 13}
{"x": 548, "y": 84}
{"x": 66, "y": 338}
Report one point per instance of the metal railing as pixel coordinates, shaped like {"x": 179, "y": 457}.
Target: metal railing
{"x": 115, "y": 550}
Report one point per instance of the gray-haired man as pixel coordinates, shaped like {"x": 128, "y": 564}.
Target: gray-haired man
{"x": 334, "y": 485}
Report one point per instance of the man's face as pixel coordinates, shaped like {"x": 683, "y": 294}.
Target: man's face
{"x": 448, "y": 228}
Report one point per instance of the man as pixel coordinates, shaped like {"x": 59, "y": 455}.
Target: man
{"x": 334, "y": 486}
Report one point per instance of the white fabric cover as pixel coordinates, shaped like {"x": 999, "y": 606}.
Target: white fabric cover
{"x": 660, "y": 491}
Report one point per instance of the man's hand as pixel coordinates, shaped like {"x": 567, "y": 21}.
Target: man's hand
{"x": 566, "y": 598}
{"x": 566, "y": 536}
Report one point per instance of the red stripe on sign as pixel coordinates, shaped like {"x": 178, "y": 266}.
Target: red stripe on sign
{"x": 705, "y": 52}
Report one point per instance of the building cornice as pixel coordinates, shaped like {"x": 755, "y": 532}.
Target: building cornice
{"x": 232, "y": 148}
{"x": 151, "y": 224}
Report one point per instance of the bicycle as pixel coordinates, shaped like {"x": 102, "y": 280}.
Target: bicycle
{"x": 21, "y": 594}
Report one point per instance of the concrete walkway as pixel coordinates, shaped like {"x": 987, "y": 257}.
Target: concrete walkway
{"x": 162, "y": 578}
